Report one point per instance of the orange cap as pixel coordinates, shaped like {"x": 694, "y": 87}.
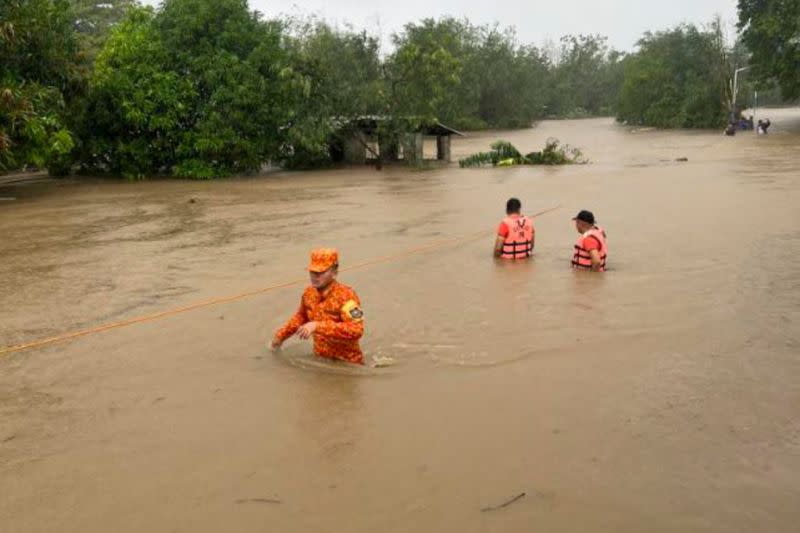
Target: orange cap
{"x": 322, "y": 259}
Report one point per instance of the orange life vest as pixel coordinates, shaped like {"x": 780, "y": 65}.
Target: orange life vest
{"x": 581, "y": 257}
{"x": 519, "y": 241}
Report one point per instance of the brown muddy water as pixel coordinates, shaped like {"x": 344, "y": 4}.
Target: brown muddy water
{"x": 663, "y": 395}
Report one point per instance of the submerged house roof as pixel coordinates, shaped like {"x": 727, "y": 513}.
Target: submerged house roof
{"x": 369, "y": 125}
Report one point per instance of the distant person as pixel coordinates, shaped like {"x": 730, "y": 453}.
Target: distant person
{"x": 743, "y": 123}
{"x": 591, "y": 250}
{"x": 329, "y": 312}
{"x": 515, "y": 235}
{"x": 763, "y": 126}
{"x": 730, "y": 131}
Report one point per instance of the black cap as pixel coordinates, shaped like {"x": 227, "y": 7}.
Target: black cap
{"x": 586, "y": 216}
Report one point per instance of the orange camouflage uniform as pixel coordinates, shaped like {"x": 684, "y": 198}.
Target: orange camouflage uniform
{"x": 339, "y": 320}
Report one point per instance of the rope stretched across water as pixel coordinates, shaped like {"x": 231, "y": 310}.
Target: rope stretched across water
{"x": 225, "y": 299}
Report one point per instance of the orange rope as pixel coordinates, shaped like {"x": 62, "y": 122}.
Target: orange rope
{"x": 207, "y": 303}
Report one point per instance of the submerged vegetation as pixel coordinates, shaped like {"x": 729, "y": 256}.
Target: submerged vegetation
{"x": 208, "y": 88}
{"x": 505, "y": 154}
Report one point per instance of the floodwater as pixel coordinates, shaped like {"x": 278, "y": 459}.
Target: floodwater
{"x": 663, "y": 395}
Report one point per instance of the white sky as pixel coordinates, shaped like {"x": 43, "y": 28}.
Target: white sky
{"x": 622, "y": 21}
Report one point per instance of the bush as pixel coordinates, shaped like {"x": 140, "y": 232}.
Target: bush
{"x": 503, "y": 153}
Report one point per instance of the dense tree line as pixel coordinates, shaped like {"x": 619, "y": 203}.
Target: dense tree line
{"x": 677, "y": 79}
{"x": 206, "y": 88}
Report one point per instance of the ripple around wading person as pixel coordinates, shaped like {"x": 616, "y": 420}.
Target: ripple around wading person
{"x": 378, "y": 364}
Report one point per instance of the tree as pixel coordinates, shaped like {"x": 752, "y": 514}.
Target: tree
{"x": 342, "y": 74}
{"x": 677, "y": 79}
{"x": 424, "y": 72}
{"x": 41, "y": 77}
{"x": 197, "y": 88}
{"x": 586, "y": 78}
{"x": 510, "y": 80}
{"x": 771, "y": 30}
{"x": 137, "y": 105}
{"x": 464, "y": 75}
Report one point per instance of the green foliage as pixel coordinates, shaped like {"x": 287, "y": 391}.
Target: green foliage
{"x": 466, "y": 76}
{"x": 31, "y": 131}
{"x": 42, "y": 75}
{"x": 555, "y": 154}
{"x": 678, "y": 79}
{"x": 503, "y": 153}
{"x": 511, "y": 80}
{"x": 341, "y": 80}
{"x": 771, "y": 31}
{"x": 197, "y": 89}
{"x": 586, "y": 77}
{"x": 38, "y": 44}
{"x": 94, "y": 19}
{"x": 137, "y": 105}
{"x": 424, "y": 71}
{"x": 486, "y": 79}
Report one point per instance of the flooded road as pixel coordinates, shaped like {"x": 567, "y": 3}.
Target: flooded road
{"x": 663, "y": 395}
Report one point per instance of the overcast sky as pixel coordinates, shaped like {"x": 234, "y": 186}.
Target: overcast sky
{"x": 622, "y": 21}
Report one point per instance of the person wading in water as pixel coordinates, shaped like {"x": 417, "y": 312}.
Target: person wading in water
{"x": 591, "y": 250}
{"x": 515, "y": 235}
{"x": 329, "y": 311}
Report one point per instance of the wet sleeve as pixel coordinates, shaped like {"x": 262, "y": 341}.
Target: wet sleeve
{"x": 502, "y": 230}
{"x": 352, "y": 321}
{"x": 294, "y": 323}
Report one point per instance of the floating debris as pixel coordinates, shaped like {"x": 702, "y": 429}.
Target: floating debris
{"x": 258, "y": 500}
{"x": 504, "y": 504}
{"x": 382, "y": 361}
{"x": 505, "y": 154}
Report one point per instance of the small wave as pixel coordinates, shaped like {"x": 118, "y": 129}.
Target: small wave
{"x": 300, "y": 356}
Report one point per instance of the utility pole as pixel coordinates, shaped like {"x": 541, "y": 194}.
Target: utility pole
{"x": 755, "y": 106}
{"x": 736, "y": 85}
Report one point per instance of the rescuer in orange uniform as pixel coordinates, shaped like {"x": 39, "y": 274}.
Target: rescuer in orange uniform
{"x": 516, "y": 234}
{"x": 329, "y": 312}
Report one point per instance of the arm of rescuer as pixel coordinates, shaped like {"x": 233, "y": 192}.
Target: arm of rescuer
{"x": 596, "y": 261}
{"x": 592, "y": 246}
{"x": 502, "y": 233}
{"x": 291, "y": 326}
{"x": 351, "y": 326}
